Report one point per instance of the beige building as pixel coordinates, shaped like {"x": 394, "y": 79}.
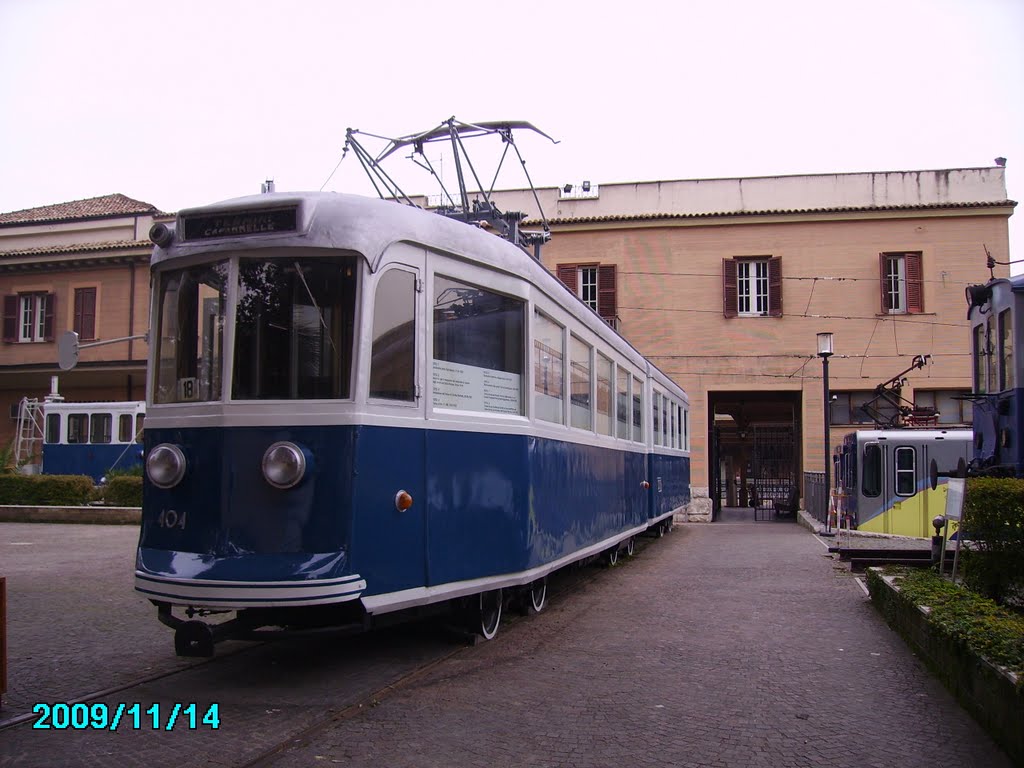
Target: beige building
{"x": 724, "y": 283}
{"x": 82, "y": 266}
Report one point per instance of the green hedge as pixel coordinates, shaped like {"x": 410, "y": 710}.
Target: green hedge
{"x": 991, "y": 631}
{"x": 46, "y": 490}
{"x": 993, "y": 558}
{"x": 123, "y": 491}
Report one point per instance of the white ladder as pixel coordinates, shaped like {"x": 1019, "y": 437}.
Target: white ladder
{"x": 28, "y": 442}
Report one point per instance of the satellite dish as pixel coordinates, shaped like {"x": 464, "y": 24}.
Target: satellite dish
{"x": 67, "y": 350}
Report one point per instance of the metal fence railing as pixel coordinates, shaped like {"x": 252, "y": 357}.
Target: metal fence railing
{"x": 816, "y": 496}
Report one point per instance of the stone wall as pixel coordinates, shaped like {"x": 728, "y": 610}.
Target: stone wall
{"x": 699, "y": 508}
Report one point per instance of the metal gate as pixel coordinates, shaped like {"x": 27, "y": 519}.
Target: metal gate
{"x": 774, "y": 479}
{"x": 717, "y": 488}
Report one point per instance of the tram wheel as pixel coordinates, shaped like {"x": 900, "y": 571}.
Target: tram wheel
{"x": 630, "y": 546}
{"x": 538, "y": 595}
{"x": 194, "y": 638}
{"x": 611, "y": 556}
{"x": 488, "y": 614}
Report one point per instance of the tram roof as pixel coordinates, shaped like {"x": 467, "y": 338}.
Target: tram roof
{"x": 911, "y": 433}
{"x": 338, "y": 221}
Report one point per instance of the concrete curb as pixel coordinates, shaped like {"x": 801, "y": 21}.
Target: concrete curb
{"x": 91, "y": 515}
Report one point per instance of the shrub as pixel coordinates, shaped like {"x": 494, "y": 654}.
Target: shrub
{"x": 123, "y": 491}
{"x": 993, "y": 558}
{"x": 45, "y": 490}
{"x": 988, "y": 629}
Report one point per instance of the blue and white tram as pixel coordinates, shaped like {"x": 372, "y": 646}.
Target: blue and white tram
{"x": 994, "y": 310}
{"x": 358, "y": 407}
{"x": 92, "y": 438}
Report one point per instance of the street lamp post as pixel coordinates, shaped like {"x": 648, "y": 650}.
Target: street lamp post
{"x": 825, "y": 352}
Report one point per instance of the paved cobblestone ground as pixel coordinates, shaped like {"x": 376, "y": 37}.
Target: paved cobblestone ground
{"x": 720, "y": 645}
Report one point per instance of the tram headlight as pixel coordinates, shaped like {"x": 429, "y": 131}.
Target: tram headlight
{"x": 284, "y": 465}
{"x": 165, "y": 465}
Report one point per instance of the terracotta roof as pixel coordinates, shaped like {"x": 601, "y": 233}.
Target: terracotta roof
{"x": 92, "y": 208}
{"x": 113, "y": 245}
{"x": 723, "y": 214}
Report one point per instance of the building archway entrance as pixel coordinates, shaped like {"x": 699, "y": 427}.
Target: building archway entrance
{"x": 755, "y": 455}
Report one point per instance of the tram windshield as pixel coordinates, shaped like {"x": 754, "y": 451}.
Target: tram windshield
{"x": 191, "y": 333}
{"x": 294, "y": 323}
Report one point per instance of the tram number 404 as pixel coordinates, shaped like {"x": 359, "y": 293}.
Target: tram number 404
{"x": 169, "y": 518}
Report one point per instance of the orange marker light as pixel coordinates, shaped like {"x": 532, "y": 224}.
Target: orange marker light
{"x": 645, "y": 485}
{"x": 403, "y": 500}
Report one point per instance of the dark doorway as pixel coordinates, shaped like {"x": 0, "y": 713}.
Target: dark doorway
{"x": 755, "y": 455}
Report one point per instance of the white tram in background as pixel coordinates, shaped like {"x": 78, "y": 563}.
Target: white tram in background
{"x": 358, "y": 407}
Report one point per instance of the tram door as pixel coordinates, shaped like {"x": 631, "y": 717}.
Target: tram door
{"x": 889, "y": 486}
{"x": 391, "y": 542}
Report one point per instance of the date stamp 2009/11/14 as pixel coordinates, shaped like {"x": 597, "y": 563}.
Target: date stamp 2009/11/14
{"x": 129, "y": 716}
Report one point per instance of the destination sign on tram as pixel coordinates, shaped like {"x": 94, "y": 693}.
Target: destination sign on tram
{"x": 261, "y": 222}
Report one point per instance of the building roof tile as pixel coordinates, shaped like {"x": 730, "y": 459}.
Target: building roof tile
{"x": 91, "y": 208}
{"x": 788, "y": 212}
{"x": 113, "y": 245}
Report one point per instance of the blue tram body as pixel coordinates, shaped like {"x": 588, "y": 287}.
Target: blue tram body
{"x": 358, "y": 408}
{"x": 91, "y": 438}
{"x": 994, "y": 311}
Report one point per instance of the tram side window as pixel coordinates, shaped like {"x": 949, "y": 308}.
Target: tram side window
{"x": 872, "y": 473}
{"x": 124, "y": 428}
{"x": 393, "y": 356}
{"x": 100, "y": 425}
{"x": 906, "y": 471}
{"x": 190, "y": 333}
{"x": 294, "y": 328}
{"x": 979, "y": 358}
{"x": 78, "y": 428}
{"x": 993, "y": 362}
{"x": 604, "y": 395}
{"x": 638, "y": 410}
{"x": 547, "y": 369}
{"x": 579, "y": 384}
{"x": 140, "y": 421}
{"x": 622, "y": 403}
{"x": 478, "y": 349}
{"x": 686, "y": 429}
{"x": 1006, "y": 377}
{"x": 656, "y": 412}
{"x": 53, "y": 428}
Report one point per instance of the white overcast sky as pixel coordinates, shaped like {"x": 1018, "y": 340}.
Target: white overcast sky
{"x": 188, "y": 102}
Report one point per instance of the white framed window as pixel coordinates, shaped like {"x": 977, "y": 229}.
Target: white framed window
{"x": 548, "y": 356}
{"x": 32, "y": 317}
{"x": 906, "y": 467}
{"x": 580, "y": 411}
{"x": 895, "y": 284}
{"x": 587, "y": 286}
{"x": 752, "y": 288}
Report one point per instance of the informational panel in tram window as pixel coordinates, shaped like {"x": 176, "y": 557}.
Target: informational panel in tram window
{"x": 468, "y": 388}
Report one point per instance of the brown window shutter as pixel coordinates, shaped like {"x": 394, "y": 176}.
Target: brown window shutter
{"x": 775, "y": 287}
{"x": 729, "y": 291}
{"x": 884, "y": 294}
{"x": 51, "y": 310}
{"x": 85, "y": 313}
{"x": 10, "y": 318}
{"x": 606, "y": 301}
{"x": 915, "y": 283}
{"x": 567, "y": 274}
